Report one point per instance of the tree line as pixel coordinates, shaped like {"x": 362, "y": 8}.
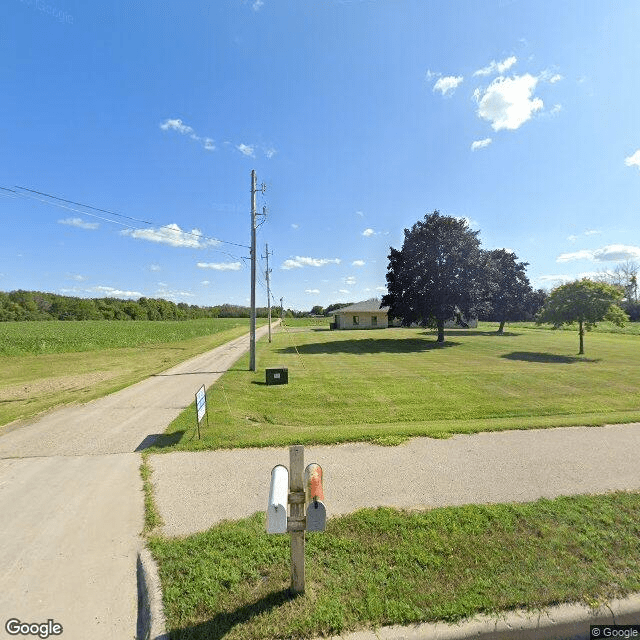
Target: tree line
{"x": 37, "y": 305}
{"x": 441, "y": 272}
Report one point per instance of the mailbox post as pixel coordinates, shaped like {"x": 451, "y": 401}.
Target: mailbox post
{"x": 304, "y": 489}
{"x": 297, "y": 521}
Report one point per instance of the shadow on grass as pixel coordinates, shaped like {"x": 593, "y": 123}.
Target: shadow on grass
{"x": 473, "y": 332}
{"x": 369, "y": 345}
{"x": 160, "y": 440}
{"x": 533, "y": 356}
{"x": 220, "y": 625}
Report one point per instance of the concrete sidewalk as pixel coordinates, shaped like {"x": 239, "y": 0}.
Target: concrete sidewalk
{"x": 72, "y": 504}
{"x": 196, "y": 490}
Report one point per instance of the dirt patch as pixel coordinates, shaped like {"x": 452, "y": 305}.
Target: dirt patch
{"x": 53, "y": 385}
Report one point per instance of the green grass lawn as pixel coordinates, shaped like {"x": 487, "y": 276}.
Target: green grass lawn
{"x": 383, "y": 566}
{"x": 388, "y": 385}
{"x": 46, "y": 364}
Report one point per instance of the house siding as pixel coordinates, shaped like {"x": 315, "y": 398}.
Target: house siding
{"x": 365, "y": 320}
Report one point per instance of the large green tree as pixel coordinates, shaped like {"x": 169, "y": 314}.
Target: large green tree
{"x": 509, "y": 293}
{"x": 585, "y": 302}
{"x": 439, "y": 272}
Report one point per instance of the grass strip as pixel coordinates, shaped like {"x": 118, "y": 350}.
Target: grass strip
{"x": 152, "y": 517}
{"x": 384, "y": 566}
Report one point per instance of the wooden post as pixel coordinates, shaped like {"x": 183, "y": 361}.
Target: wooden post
{"x": 297, "y": 518}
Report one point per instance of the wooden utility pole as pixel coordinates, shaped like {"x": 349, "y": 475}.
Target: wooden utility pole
{"x": 252, "y": 323}
{"x": 281, "y": 310}
{"x": 268, "y": 271}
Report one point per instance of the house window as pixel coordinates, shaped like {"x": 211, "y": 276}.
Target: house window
{"x": 356, "y": 320}
{"x": 374, "y": 321}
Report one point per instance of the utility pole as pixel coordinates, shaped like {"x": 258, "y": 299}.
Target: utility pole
{"x": 252, "y": 323}
{"x": 281, "y": 310}
{"x": 268, "y": 290}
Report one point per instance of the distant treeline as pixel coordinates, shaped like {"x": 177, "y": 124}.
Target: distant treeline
{"x": 36, "y": 305}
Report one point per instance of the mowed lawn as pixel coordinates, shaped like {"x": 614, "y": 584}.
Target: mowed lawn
{"x": 46, "y": 364}
{"x": 387, "y": 385}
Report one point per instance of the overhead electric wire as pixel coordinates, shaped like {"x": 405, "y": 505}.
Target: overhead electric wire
{"x": 111, "y": 213}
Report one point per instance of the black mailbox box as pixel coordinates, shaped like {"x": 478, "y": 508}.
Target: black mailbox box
{"x": 278, "y": 376}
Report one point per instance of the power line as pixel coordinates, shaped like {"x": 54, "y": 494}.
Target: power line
{"x": 111, "y": 213}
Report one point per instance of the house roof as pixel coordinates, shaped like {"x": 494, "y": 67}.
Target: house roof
{"x": 372, "y": 305}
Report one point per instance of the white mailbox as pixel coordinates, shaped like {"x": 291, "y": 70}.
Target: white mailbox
{"x": 278, "y": 497}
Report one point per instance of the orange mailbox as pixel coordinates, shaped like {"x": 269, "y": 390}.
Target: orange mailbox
{"x": 314, "y": 497}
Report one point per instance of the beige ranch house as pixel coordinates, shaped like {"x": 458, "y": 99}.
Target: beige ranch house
{"x": 362, "y": 315}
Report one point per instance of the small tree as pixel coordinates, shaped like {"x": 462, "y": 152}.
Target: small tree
{"x": 585, "y": 302}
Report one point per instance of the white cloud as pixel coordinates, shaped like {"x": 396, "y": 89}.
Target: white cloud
{"x": 360, "y": 213}
{"x": 448, "y": 84}
{"x": 358, "y": 263}
{"x": 384, "y": 289}
{"x": 610, "y": 253}
{"x": 430, "y": 75}
{"x": 583, "y": 254}
{"x": 176, "y": 125}
{"x": 633, "y": 160}
{"x": 79, "y": 222}
{"x": 172, "y": 294}
{"x": 344, "y": 291}
{"x": 246, "y": 150}
{"x": 110, "y": 292}
{"x": 312, "y": 290}
{"x": 155, "y": 267}
{"x": 295, "y": 226}
{"x": 592, "y": 232}
{"x": 367, "y": 233}
{"x": 300, "y": 261}
{"x": 549, "y": 279}
{"x": 206, "y": 283}
{"x": 220, "y": 266}
{"x": 508, "y": 103}
{"x": 79, "y": 278}
{"x": 207, "y": 143}
{"x": 480, "y": 144}
{"x": 496, "y": 67}
{"x": 616, "y": 253}
{"x": 171, "y": 234}
{"x": 349, "y": 280}
{"x": 257, "y": 5}
{"x": 555, "y": 78}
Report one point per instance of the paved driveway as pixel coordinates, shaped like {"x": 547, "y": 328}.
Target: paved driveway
{"x": 72, "y": 504}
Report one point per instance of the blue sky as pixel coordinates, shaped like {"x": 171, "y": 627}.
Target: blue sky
{"x": 360, "y": 116}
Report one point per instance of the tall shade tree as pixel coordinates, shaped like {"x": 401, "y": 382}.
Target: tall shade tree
{"x": 439, "y": 272}
{"x": 585, "y": 302}
{"x": 509, "y": 289}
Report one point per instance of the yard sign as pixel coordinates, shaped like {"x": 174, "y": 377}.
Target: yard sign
{"x": 201, "y": 406}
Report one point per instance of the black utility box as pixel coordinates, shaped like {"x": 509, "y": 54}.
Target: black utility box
{"x": 278, "y": 376}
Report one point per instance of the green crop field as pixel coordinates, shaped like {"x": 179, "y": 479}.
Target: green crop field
{"x": 385, "y": 386}
{"x": 45, "y": 364}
